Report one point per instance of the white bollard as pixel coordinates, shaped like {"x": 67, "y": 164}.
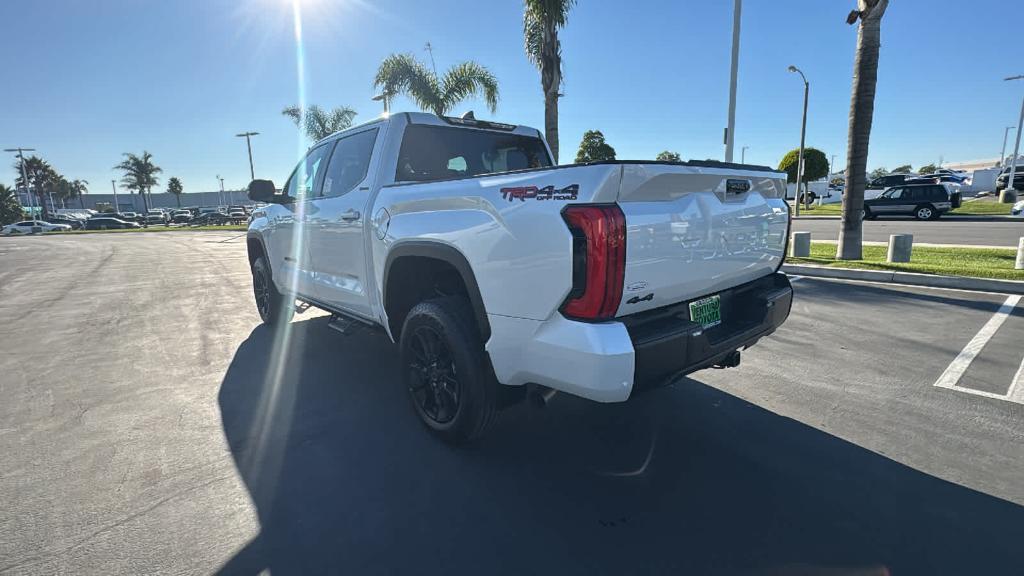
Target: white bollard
{"x": 1020, "y": 255}
{"x": 900, "y": 246}
{"x": 800, "y": 245}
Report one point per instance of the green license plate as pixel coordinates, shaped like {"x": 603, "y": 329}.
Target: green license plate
{"x": 707, "y": 311}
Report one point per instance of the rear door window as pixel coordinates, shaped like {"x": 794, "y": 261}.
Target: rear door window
{"x": 349, "y": 163}
{"x": 442, "y": 152}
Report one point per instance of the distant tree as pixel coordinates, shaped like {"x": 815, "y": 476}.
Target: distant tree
{"x": 666, "y": 156}
{"x": 927, "y": 169}
{"x": 541, "y": 21}
{"x": 318, "y": 123}
{"x": 877, "y": 173}
{"x": 78, "y": 188}
{"x": 10, "y": 208}
{"x": 593, "y": 148}
{"x": 139, "y": 174}
{"x": 815, "y": 164}
{"x": 174, "y": 187}
{"x": 404, "y": 74}
{"x": 904, "y": 169}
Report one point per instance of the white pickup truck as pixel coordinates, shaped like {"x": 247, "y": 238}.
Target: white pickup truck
{"x": 497, "y": 272}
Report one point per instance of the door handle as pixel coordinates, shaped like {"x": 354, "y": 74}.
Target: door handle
{"x": 349, "y": 215}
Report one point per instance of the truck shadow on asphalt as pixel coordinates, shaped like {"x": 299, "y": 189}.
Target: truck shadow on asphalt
{"x": 685, "y": 479}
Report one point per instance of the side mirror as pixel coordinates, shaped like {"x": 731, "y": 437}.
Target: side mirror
{"x": 262, "y": 191}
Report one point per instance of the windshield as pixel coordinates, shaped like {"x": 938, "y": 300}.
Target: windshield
{"x": 442, "y": 152}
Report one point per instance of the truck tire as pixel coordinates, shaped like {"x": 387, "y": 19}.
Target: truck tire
{"x": 273, "y": 307}
{"x": 446, "y": 370}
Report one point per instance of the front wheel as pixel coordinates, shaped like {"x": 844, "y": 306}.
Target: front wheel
{"x": 273, "y": 307}
{"x": 446, "y": 371}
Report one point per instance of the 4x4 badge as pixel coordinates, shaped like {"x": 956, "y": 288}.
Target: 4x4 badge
{"x": 522, "y": 193}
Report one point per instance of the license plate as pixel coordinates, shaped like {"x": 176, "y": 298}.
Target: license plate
{"x": 707, "y": 311}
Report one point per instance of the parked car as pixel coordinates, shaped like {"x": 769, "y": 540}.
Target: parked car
{"x": 107, "y": 223}
{"x": 922, "y": 201}
{"x": 210, "y": 219}
{"x": 1004, "y": 178}
{"x": 25, "y": 227}
{"x": 1018, "y": 210}
{"x": 181, "y": 216}
{"x": 157, "y": 218}
{"x": 501, "y": 275}
{"x": 888, "y": 181}
{"x": 238, "y": 216}
{"x": 75, "y": 223}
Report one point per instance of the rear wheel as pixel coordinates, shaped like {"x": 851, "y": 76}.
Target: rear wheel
{"x": 273, "y": 307}
{"x": 925, "y": 213}
{"x": 866, "y": 214}
{"x": 446, "y": 371}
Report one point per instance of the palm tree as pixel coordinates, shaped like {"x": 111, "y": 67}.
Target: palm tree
{"x": 862, "y": 110}
{"x": 41, "y": 178}
{"x": 139, "y": 174}
{"x": 10, "y": 208}
{"x": 174, "y": 187}
{"x": 541, "y": 21}
{"x": 79, "y": 187}
{"x": 403, "y": 74}
{"x": 317, "y": 122}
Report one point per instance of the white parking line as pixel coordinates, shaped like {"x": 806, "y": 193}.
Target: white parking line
{"x": 951, "y": 377}
{"x": 1016, "y": 391}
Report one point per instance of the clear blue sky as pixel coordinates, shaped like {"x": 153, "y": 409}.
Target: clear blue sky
{"x": 87, "y": 80}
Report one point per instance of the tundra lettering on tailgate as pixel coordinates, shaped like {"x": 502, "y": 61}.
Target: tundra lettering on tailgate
{"x": 521, "y": 193}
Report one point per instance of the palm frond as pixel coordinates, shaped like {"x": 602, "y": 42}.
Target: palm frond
{"x": 402, "y": 73}
{"x": 533, "y": 36}
{"x": 293, "y": 112}
{"x": 469, "y": 79}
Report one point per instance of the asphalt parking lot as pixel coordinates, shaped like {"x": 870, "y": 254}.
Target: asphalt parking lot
{"x": 149, "y": 423}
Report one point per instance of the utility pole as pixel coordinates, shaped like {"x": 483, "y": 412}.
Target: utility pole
{"x": 248, "y": 144}
{"x": 430, "y": 49}
{"x": 24, "y": 176}
{"x": 733, "y": 73}
{"x": 1002, "y": 155}
{"x": 221, "y": 189}
{"x": 803, "y": 133}
{"x": 113, "y": 185}
{"x": 1010, "y": 184}
{"x": 743, "y": 154}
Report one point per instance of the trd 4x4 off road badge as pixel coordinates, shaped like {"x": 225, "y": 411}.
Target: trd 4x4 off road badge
{"x": 523, "y": 193}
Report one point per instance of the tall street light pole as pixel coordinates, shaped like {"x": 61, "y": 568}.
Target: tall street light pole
{"x": 383, "y": 98}
{"x": 743, "y": 154}
{"x": 733, "y": 72}
{"x": 113, "y": 184}
{"x": 803, "y": 133}
{"x": 221, "y": 196}
{"x": 248, "y": 144}
{"x": 24, "y": 175}
{"x": 1002, "y": 155}
{"x": 1016, "y": 146}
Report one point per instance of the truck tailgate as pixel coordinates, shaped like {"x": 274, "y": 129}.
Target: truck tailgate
{"x": 692, "y": 231}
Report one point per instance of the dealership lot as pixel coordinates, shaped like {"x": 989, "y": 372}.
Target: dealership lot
{"x": 149, "y": 423}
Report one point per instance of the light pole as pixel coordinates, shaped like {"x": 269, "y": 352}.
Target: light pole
{"x": 733, "y": 73}
{"x": 248, "y": 144}
{"x": 383, "y": 98}
{"x": 24, "y": 175}
{"x": 743, "y": 154}
{"x": 1010, "y": 185}
{"x": 1002, "y": 155}
{"x": 113, "y": 184}
{"x": 803, "y": 132}
{"x": 221, "y": 189}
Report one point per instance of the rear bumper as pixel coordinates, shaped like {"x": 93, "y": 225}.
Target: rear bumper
{"x": 607, "y": 362}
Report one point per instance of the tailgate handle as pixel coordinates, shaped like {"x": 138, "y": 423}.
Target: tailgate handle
{"x": 736, "y": 186}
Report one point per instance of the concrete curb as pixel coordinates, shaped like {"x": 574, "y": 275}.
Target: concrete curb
{"x": 912, "y": 278}
{"x": 957, "y": 217}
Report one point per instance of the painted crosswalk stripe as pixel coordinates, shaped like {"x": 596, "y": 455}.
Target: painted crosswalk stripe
{"x": 963, "y": 360}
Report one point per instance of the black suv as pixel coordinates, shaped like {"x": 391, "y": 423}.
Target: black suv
{"x": 922, "y": 201}
{"x": 1004, "y": 178}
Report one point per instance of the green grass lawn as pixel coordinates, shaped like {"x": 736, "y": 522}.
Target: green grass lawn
{"x": 227, "y": 228}
{"x": 974, "y": 262}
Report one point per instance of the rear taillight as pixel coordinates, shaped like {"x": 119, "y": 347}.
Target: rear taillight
{"x": 598, "y": 260}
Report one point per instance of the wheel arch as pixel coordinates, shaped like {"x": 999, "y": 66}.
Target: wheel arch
{"x": 424, "y": 251}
